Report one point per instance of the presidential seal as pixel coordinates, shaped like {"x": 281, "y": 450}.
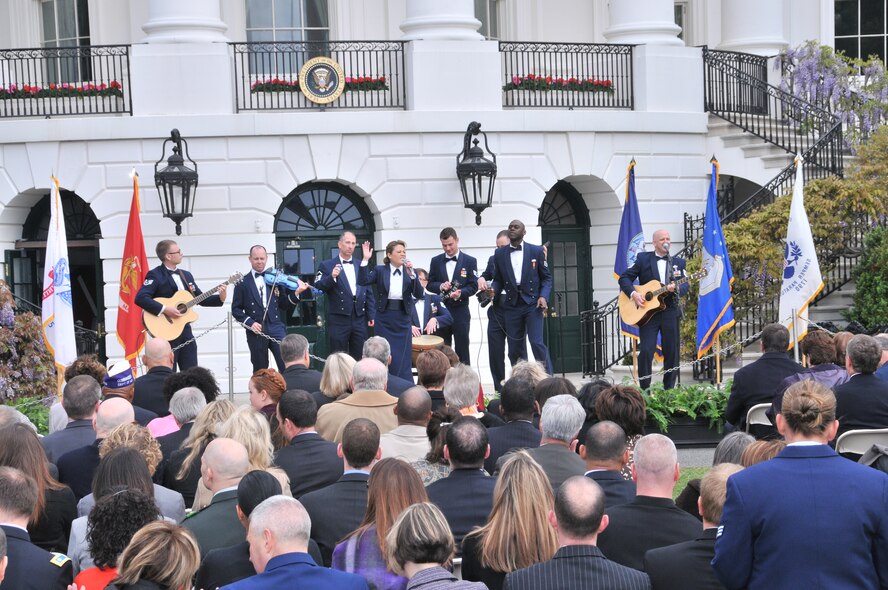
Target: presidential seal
{"x": 321, "y": 80}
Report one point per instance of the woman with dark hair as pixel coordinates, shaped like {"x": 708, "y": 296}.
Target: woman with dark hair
{"x": 396, "y": 288}
{"x": 161, "y": 556}
{"x": 587, "y": 395}
{"x": 335, "y": 379}
{"x": 625, "y": 406}
{"x": 392, "y": 487}
{"x": 840, "y": 340}
{"x": 111, "y": 525}
{"x": 435, "y": 466}
{"x": 50, "y": 523}
{"x": 199, "y": 377}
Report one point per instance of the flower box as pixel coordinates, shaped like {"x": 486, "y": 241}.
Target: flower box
{"x": 32, "y": 107}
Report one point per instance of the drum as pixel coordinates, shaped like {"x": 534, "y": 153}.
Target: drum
{"x": 425, "y": 342}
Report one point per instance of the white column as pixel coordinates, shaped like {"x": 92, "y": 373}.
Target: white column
{"x": 643, "y": 22}
{"x": 441, "y": 19}
{"x": 753, "y": 26}
{"x": 184, "y": 21}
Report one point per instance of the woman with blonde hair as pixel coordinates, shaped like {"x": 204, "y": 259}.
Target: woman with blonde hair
{"x": 517, "y": 533}
{"x": 336, "y": 378}
{"x": 161, "y": 556}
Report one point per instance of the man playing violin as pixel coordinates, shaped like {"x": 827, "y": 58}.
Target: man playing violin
{"x": 258, "y": 305}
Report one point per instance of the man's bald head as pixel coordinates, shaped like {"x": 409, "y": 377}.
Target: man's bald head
{"x": 579, "y": 508}
{"x": 369, "y": 374}
{"x": 112, "y": 413}
{"x": 158, "y": 353}
{"x": 414, "y": 406}
{"x": 656, "y": 465}
{"x": 224, "y": 463}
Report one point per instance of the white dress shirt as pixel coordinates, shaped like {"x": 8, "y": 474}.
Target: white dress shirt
{"x": 450, "y": 265}
{"x": 349, "y": 269}
{"x": 396, "y": 284}
{"x": 260, "y": 285}
{"x": 517, "y": 258}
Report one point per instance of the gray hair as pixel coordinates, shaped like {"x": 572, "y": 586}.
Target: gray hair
{"x": 81, "y": 395}
{"x": 9, "y": 416}
{"x": 377, "y": 348}
{"x": 461, "y": 385}
{"x": 882, "y": 339}
{"x": 187, "y": 403}
{"x": 286, "y": 519}
{"x": 865, "y": 353}
{"x": 369, "y": 373}
{"x": 562, "y": 418}
{"x": 655, "y": 456}
{"x": 730, "y": 448}
{"x": 293, "y": 347}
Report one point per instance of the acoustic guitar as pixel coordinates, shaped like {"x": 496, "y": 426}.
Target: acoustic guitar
{"x": 171, "y": 328}
{"x": 654, "y": 293}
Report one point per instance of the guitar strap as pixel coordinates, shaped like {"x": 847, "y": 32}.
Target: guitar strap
{"x": 184, "y": 281}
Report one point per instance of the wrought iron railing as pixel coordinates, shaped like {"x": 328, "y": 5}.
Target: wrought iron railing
{"x": 86, "y": 340}
{"x": 266, "y": 75}
{"x": 65, "y": 81}
{"x": 569, "y": 75}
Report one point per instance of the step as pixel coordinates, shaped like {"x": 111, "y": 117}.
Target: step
{"x": 761, "y": 150}
{"x": 778, "y": 161}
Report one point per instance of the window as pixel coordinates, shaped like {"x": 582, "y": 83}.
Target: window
{"x": 485, "y": 11}
{"x": 681, "y": 19}
{"x": 66, "y": 27}
{"x": 287, "y": 20}
{"x": 860, "y": 27}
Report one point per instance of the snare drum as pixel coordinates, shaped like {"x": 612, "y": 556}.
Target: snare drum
{"x": 425, "y": 342}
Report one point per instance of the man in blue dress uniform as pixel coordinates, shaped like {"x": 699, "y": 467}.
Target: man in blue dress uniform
{"x": 454, "y": 276}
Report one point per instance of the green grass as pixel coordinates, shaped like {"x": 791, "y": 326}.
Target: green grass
{"x": 688, "y": 473}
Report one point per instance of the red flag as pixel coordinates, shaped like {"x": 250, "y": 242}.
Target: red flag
{"x": 133, "y": 269}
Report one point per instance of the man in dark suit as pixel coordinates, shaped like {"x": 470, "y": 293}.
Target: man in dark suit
{"x": 686, "y": 566}
{"x": 429, "y": 314}
{"x": 297, "y": 374}
{"x": 185, "y": 405}
{"x": 310, "y": 462}
{"x": 165, "y": 281}
{"x": 222, "y": 466}
{"x": 518, "y": 432}
{"x": 652, "y": 519}
{"x": 606, "y": 453}
{"x": 81, "y": 401}
{"x": 377, "y": 347}
{"x": 466, "y": 495}
{"x": 522, "y": 272}
{"x": 578, "y": 519}
{"x": 29, "y": 567}
{"x": 339, "y": 508}
{"x": 350, "y": 307}
{"x": 454, "y": 275}
{"x": 862, "y": 402}
{"x": 148, "y": 391}
{"x": 757, "y": 382}
{"x": 658, "y": 265}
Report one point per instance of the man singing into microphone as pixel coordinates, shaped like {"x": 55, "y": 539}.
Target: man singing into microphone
{"x": 657, "y": 265}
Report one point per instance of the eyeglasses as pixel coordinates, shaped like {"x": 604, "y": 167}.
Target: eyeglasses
{"x": 176, "y": 252}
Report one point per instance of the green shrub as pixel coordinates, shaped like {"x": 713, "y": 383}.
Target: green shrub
{"x": 871, "y": 279}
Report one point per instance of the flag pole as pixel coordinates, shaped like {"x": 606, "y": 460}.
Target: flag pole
{"x": 718, "y": 365}
{"x": 634, "y": 360}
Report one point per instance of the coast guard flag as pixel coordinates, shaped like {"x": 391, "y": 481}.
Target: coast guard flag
{"x": 715, "y": 313}
{"x": 133, "y": 269}
{"x": 630, "y": 240}
{"x": 58, "y": 312}
{"x": 801, "y": 271}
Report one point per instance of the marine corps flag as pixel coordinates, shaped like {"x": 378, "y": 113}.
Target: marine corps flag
{"x": 133, "y": 269}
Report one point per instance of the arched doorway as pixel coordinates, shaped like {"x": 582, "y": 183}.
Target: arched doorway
{"x": 564, "y": 219}
{"x": 307, "y": 229}
{"x": 24, "y": 266}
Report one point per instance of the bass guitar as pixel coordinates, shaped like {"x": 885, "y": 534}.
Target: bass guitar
{"x": 654, "y": 293}
{"x": 169, "y": 328}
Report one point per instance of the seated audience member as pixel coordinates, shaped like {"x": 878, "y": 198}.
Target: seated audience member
{"x": 559, "y": 425}
{"x": 230, "y": 564}
{"x": 377, "y": 347}
{"x": 81, "y": 399}
{"x": 409, "y": 440}
{"x": 759, "y": 381}
{"x": 170, "y": 503}
{"x": 182, "y": 472}
{"x": 420, "y": 547}
{"x": 729, "y": 450}
{"x": 335, "y": 378}
{"x": 148, "y": 391}
{"x": 578, "y": 564}
{"x": 222, "y": 466}
{"x": 76, "y": 467}
{"x": 862, "y": 402}
{"x": 466, "y": 495}
{"x": 826, "y": 507}
{"x": 27, "y": 566}
{"x": 199, "y": 377}
{"x": 368, "y": 400}
{"x": 761, "y": 450}
{"x": 10, "y": 416}
{"x": 882, "y": 371}
{"x": 518, "y": 533}
{"x": 549, "y": 388}
{"x": 160, "y": 555}
{"x": 517, "y": 406}
{"x": 652, "y": 519}
{"x": 266, "y": 388}
{"x": 309, "y": 461}
{"x": 119, "y": 383}
{"x": 85, "y": 364}
{"x": 393, "y": 486}
{"x": 435, "y": 465}
{"x": 185, "y": 405}
{"x": 529, "y": 370}
{"x": 296, "y": 373}
{"x": 686, "y": 566}
{"x": 605, "y": 454}
{"x": 112, "y": 524}
{"x": 624, "y": 406}
{"x": 431, "y": 369}
{"x": 587, "y": 395}
{"x": 50, "y": 522}
{"x": 278, "y": 536}
{"x": 339, "y": 508}
{"x": 461, "y": 393}
{"x": 840, "y": 339}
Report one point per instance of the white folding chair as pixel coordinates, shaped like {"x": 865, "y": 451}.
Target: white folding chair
{"x": 756, "y": 415}
{"x": 457, "y": 567}
{"x": 860, "y": 441}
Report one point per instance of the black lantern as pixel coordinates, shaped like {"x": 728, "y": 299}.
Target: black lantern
{"x": 475, "y": 169}
{"x": 176, "y": 183}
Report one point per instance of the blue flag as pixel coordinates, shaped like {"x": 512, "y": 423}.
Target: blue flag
{"x": 715, "y": 313}
{"x": 631, "y": 239}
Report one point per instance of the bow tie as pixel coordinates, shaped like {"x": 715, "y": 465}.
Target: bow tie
{"x": 397, "y": 271}
{"x": 171, "y": 272}
{"x": 516, "y": 248}
{"x": 662, "y": 258}
{"x": 345, "y": 261}
{"x": 450, "y": 259}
